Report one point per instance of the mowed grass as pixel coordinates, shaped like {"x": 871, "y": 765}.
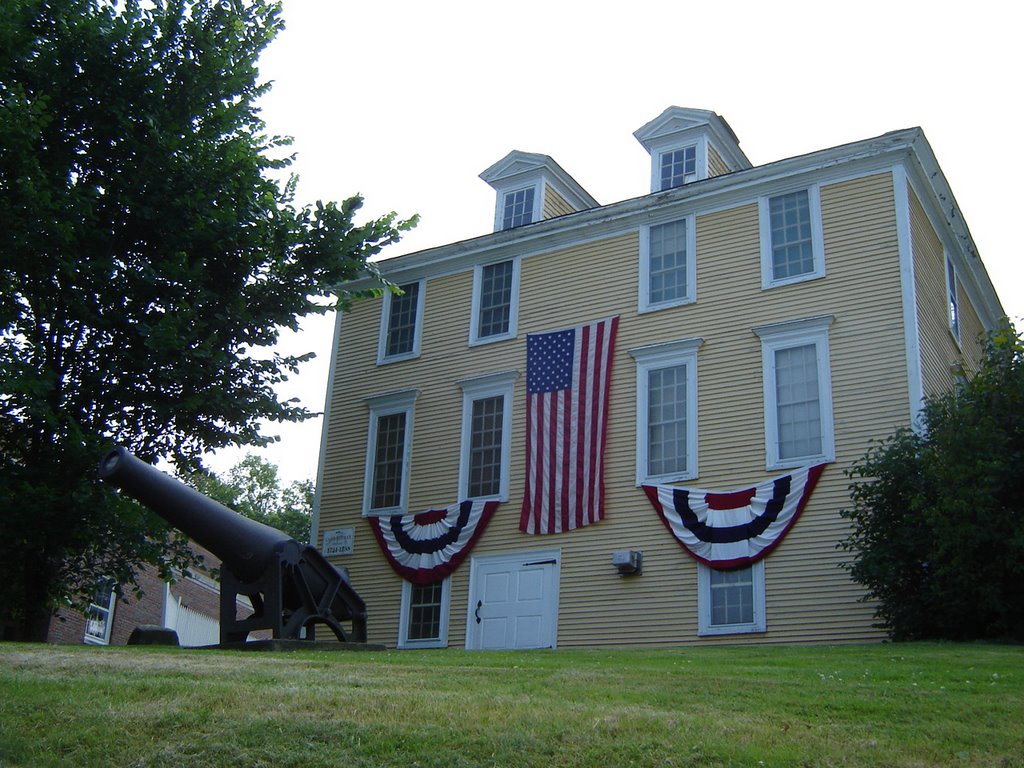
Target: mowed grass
{"x": 877, "y": 705}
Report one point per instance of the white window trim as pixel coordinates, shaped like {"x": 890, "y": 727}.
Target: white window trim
{"x": 385, "y": 322}
{"x": 704, "y": 625}
{"x": 513, "y": 313}
{"x": 477, "y": 388}
{"x": 952, "y": 299}
{"x": 108, "y": 625}
{"x": 701, "y": 143}
{"x": 538, "y": 203}
{"x": 796, "y": 333}
{"x": 403, "y": 622}
{"x": 402, "y": 401}
{"x": 645, "y": 304}
{"x": 653, "y": 357}
{"x": 817, "y": 237}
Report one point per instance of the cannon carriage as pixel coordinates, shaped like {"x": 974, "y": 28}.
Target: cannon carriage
{"x": 291, "y": 586}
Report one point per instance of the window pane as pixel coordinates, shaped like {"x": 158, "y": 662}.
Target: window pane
{"x": 954, "y": 306}
{"x": 666, "y": 420}
{"x": 485, "y": 447}
{"x": 495, "y": 299}
{"x": 402, "y": 321}
{"x": 678, "y": 166}
{"x": 732, "y": 597}
{"x": 797, "y": 401}
{"x": 518, "y": 208}
{"x": 792, "y": 248}
{"x": 388, "y": 461}
{"x": 667, "y": 262}
{"x": 425, "y": 612}
{"x": 98, "y": 616}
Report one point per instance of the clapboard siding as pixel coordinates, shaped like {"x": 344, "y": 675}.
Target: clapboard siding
{"x": 555, "y": 204}
{"x": 809, "y": 595}
{"x": 941, "y": 356}
{"x": 716, "y": 165}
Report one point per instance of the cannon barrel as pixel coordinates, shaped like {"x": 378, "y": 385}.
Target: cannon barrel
{"x": 290, "y": 586}
{"x": 246, "y": 547}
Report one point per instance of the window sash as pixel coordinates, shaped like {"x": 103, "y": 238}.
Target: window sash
{"x": 389, "y": 461}
{"x": 423, "y": 618}
{"x": 667, "y": 268}
{"x": 677, "y": 166}
{"x": 732, "y": 597}
{"x": 798, "y": 401}
{"x": 425, "y": 605}
{"x": 99, "y": 616}
{"x": 666, "y": 411}
{"x": 667, "y": 421}
{"x": 791, "y": 235}
{"x": 953, "y": 299}
{"x": 401, "y": 333}
{"x": 485, "y": 449}
{"x": 495, "y": 299}
{"x": 798, "y": 418}
{"x": 518, "y": 209}
{"x": 731, "y": 602}
{"x": 485, "y": 441}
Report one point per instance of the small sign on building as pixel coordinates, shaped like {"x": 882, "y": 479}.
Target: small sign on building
{"x": 339, "y": 541}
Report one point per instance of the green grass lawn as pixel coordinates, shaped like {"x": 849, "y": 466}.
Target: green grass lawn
{"x": 877, "y": 705}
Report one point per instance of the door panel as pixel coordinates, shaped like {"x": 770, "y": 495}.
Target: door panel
{"x": 513, "y": 601}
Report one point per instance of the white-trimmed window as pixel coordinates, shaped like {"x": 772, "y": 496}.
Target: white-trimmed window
{"x": 486, "y": 436}
{"x": 666, "y": 411}
{"x": 678, "y": 167}
{"x": 401, "y": 323}
{"x": 388, "y": 450}
{"x": 952, "y": 300}
{"x": 495, "y": 302}
{"x": 99, "y": 616}
{"x": 797, "y": 392}
{"x": 667, "y": 264}
{"x": 519, "y": 208}
{"x": 424, "y": 615}
{"x": 731, "y": 602}
{"x": 792, "y": 243}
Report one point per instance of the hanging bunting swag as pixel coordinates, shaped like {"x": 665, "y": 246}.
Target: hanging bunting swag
{"x": 427, "y": 547}
{"x": 735, "y": 528}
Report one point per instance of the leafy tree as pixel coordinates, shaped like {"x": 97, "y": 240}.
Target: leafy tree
{"x": 938, "y": 517}
{"x": 149, "y": 242}
{"x": 252, "y": 488}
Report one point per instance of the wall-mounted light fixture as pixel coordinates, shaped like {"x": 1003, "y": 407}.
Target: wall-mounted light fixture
{"x": 629, "y": 562}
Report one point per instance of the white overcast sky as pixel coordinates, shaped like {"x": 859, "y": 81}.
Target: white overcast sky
{"x": 406, "y": 102}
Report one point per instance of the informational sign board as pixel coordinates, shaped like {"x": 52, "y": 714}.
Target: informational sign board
{"x": 339, "y": 541}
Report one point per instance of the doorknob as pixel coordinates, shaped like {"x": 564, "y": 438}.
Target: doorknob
{"x": 479, "y": 605}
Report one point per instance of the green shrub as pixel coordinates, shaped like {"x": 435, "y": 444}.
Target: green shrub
{"x": 938, "y": 519}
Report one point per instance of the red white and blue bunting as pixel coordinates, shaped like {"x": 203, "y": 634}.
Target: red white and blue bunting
{"x": 735, "y": 528}
{"x": 427, "y": 547}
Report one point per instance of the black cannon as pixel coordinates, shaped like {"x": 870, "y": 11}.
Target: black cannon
{"x": 291, "y": 586}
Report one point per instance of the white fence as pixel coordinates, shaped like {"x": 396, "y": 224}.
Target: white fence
{"x": 193, "y": 628}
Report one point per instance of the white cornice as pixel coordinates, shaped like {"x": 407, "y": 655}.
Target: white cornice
{"x": 907, "y": 148}
{"x": 672, "y": 121}
{"x": 677, "y": 125}
{"x": 518, "y": 168}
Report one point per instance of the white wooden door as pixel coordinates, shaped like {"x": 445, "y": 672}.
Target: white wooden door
{"x": 513, "y": 601}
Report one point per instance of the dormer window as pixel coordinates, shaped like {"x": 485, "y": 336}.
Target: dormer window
{"x": 531, "y": 188}
{"x": 678, "y": 167}
{"x": 688, "y": 145}
{"x": 518, "y": 208}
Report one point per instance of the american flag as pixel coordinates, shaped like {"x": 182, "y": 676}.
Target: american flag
{"x": 568, "y": 373}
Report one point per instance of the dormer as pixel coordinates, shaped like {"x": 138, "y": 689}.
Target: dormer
{"x": 532, "y": 187}
{"x": 689, "y": 145}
